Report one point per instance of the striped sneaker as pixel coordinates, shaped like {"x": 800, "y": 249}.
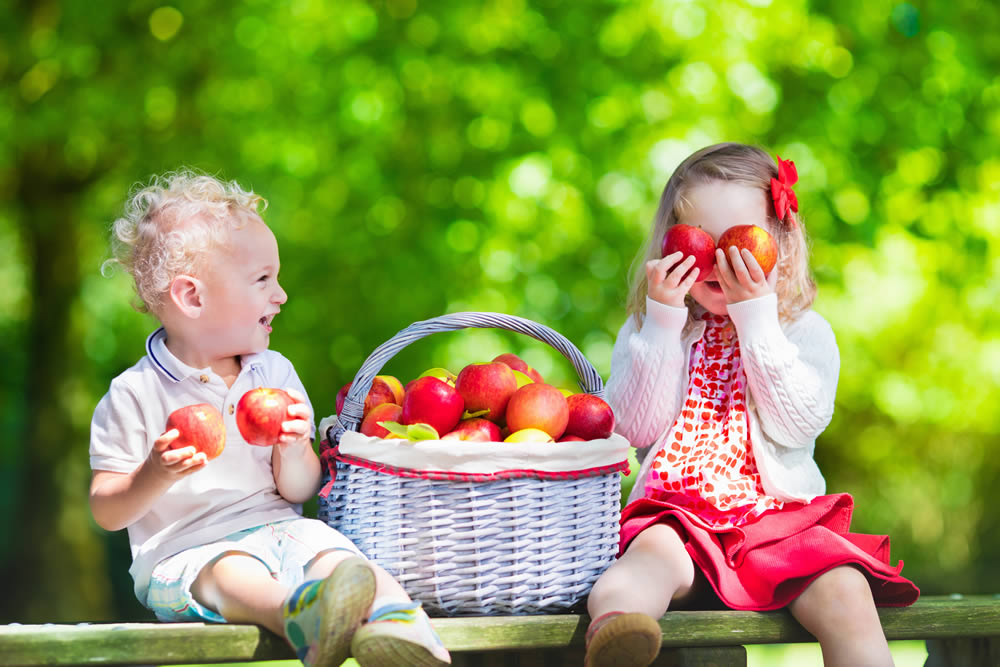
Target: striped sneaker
{"x": 321, "y": 616}
{"x": 399, "y": 634}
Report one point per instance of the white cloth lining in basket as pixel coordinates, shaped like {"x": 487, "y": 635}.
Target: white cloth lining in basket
{"x": 484, "y": 458}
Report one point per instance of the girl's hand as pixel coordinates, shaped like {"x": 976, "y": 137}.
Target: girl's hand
{"x": 667, "y": 281}
{"x": 741, "y": 277}
{"x": 173, "y": 464}
{"x": 295, "y": 431}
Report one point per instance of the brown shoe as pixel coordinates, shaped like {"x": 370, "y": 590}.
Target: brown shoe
{"x": 625, "y": 640}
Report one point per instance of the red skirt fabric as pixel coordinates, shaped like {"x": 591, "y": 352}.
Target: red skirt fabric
{"x": 767, "y": 563}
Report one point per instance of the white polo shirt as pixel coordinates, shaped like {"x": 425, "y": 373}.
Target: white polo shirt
{"x": 233, "y": 492}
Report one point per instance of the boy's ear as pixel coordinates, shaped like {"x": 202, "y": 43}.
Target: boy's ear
{"x": 187, "y": 293}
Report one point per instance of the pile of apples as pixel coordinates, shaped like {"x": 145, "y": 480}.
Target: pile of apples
{"x": 503, "y": 400}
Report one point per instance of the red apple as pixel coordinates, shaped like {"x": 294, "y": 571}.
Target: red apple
{"x": 476, "y": 429}
{"x": 431, "y": 401}
{"x": 380, "y": 413}
{"x": 540, "y": 406}
{"x": 571, "y": 438}
{"x": 260, "y": 414}
{"x": 694, "y": 241}
{"x": 515, "y": 362}
{"x": 518, "y": 364}
{"x": 756, "y": 240}
{"x": 200, "y": 426}
{"x": 589, "y": 417}
{"x": 385, "y": 389}
{"x": 487, "y": 386}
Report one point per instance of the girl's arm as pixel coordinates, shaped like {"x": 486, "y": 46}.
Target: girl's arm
{"x": 645, "y": 388}
{"x": 792, "y": 374}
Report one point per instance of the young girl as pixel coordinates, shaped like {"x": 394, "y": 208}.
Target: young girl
{"x": 225, "y": 540}
{"x": 728, "y": 381}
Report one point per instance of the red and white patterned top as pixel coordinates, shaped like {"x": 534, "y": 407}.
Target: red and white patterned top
{"x": 706, "y": 464}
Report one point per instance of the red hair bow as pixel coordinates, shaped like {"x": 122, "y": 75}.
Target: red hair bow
{"x": 781, "y": 188}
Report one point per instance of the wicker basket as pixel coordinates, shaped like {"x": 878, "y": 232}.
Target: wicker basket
{"x": 524, "y": 540}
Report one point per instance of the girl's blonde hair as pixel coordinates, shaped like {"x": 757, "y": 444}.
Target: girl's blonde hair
{"x": 745, "y": 165}
{"x": 170, "y": 223}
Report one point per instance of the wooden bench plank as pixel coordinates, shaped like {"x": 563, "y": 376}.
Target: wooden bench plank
{"x": 173, "y": 643}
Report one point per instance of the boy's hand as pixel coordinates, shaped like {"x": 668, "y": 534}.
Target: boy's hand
{"x": 173, "y": 464}
{"x": 296, "y": 430}
{"x": 667, "y": 281}
{"x": 741, "y": 277}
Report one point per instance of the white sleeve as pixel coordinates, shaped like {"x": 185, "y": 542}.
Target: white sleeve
{"x": 792, "y": 374}
{"x": 645, "y": 388}
{"x": 118, "y": 438}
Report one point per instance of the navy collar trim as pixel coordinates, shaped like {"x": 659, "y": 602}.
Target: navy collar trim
{"x": 152, "y": 355}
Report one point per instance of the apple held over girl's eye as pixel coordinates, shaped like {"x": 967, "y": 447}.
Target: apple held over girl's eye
{"x": 200, "y": 426}
{"x": 260, "y": 414}
{"x": 756, "y": 240}
{"x": 693, "y": 241}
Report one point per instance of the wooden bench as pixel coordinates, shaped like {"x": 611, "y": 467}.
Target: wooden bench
{"x": 965, "y": 631}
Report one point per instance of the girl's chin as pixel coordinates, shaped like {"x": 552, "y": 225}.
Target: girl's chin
{"x": 709, "y": 296}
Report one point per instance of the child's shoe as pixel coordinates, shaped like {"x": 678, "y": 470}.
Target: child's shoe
{"x": 622, "y": 640}
{"x": 321, "y": 616}
{"x": 399, "y": 634}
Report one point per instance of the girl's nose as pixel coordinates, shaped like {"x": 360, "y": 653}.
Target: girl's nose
{"x": 280, "y": 296}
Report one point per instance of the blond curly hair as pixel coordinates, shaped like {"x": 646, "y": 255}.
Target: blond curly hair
{"x": 170, "y": 223}
{"x": 745, "y": 165}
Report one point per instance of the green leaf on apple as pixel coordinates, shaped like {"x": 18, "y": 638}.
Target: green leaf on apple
{"x": 393, "y": 427}
{"x": 420, "y": 431}
{"x": 412, "y": 432}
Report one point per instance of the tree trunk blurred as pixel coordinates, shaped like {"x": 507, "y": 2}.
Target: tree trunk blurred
{"x": 57, "y": 558}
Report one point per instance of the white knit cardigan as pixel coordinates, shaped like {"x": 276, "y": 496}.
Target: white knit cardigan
{"x": 791, "y": 374}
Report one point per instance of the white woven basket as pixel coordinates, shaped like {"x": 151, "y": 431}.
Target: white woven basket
{"x": 519, "y": 541}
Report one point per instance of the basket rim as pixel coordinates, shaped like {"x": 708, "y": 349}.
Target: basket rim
{"x": 483, "y": 458}
{"x": 446, "y": 476}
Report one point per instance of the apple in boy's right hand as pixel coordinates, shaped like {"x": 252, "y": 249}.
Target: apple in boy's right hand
{"x": 260, "y": 414}
{"x": 693, "y": 241}
{"x": 200, "y": 426}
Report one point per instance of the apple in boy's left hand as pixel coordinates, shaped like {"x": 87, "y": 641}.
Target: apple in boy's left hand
{"x": 261, "y": 414}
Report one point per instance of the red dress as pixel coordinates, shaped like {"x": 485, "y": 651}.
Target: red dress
{"x": 756, "y": 551}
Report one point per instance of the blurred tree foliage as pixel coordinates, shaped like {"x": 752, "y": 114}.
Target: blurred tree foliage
{"x": 423, "y": 158}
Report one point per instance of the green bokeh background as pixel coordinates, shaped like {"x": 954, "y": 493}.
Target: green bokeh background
{"x": 430, "y": 157}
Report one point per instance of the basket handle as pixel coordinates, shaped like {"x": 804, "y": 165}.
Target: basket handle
{"x": 350, "y": 416}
